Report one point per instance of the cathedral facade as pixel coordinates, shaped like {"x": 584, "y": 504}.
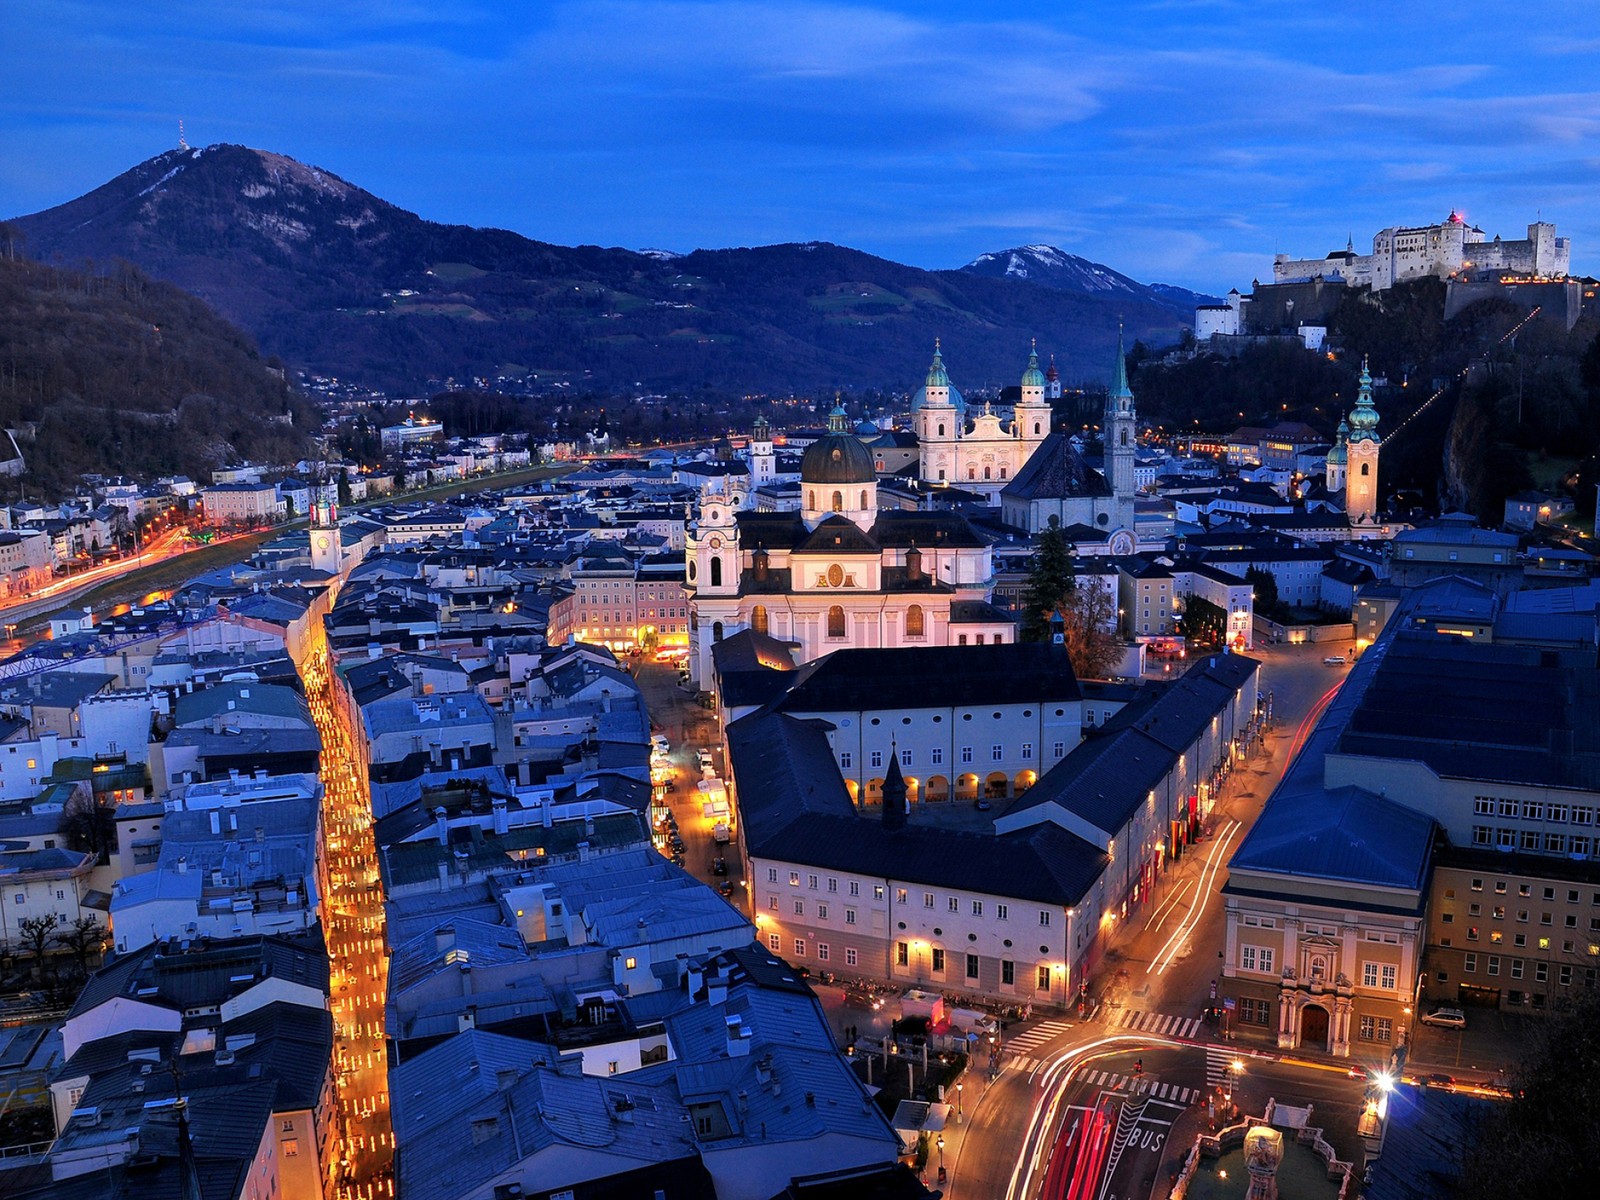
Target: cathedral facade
{"x": 978, "y": 451}
{"x": 838, "y": 573}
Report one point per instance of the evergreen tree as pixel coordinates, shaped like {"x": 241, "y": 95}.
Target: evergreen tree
{"x": 1049, "y": 582}
{"x": 344, "y": 487}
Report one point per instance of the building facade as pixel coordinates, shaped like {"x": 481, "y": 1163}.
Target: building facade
{"x": 981, "y": 453}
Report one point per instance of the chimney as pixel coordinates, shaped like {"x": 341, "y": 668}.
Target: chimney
{"x": 216, "y": 822}
{"x": 444, "y": 876}
{"x": 546, "y": 811}
{"x": 895, "y": 804}
{"x": 183, "y": 864}
{"x": 717, "y": 988}
{"x": 441, "y": 826}
{"x": 501, "y": 822}
{"x": 693, "y": 979}
{"x": 738, "y": 1044}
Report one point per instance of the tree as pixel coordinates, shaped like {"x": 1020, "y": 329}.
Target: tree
{"x": 1264, "y": 589}
{"x": 88, "y": 824}
{"x": 1204, "y": 623}
{"x": 1545, "y": 1141}
{"x": 344, "y": 487}
{"x": 1089, "y": 628}
{"x": 1050, "y": 581}
{"x": 84, "y": 937}
{"x": 36, "y": 933}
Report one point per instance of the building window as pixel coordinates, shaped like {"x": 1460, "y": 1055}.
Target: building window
{"x": 1042, "y": 978}
{"x": 927, "y": 899}
{"x": 849, "y": 956}
{"x": 914, "y": 621}
{"x": 977, "y": 908}
{"x": 938, "y": 961}
{"x": 875, "y": 758}
{"x": 972, "y": 966}
{"x": 1008, "y": 972}
{"x": 905, "y": 758}
{"x": 1001, "y": 911}
{"x": 966, "y": 754}
{"x": 794, "y": 878}
{"x": 822, "y": 951}
{"x": 1027, "y": 750}
{"x": 1470, "y": 964}
{"x": 937, "y": 754}
{"x": 849, "y": 916}
{"x": 772, "y": 903}
{"x": 775, "y": 942}
{"x": 1058, "y": 750}
{"x": 799, "y": 947}
{"x": 811, "y": 882}
{"x": 799, "y": 908}
{"x": 902, "y": 954}
{"x": 953, "y": 904}
{"x": 772, "y": 874}
{"x": 291, "y": 1147}
{"x": 901, "y": 895}
{"x": 1044, "y": 917}
{"x": 855, "y": 888}
{"x": 844, "y": 760}
{"x": 877, "y": 891}
{"x": 758, "y": 618}
{"x": 835, "y": 621}
{"x": 833, "y": 884}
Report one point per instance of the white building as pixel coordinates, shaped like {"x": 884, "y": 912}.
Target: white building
{"x": 1449, "y": 249}
{"x": 983, "y": 456}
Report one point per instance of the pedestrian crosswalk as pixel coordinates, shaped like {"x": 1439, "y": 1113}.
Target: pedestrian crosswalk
{"x": 1219, "y": 1067}
{"x": 1141, "y": 1085}
{"x": 1159, "y": 1023}
{"x": 1037, "y": 1036}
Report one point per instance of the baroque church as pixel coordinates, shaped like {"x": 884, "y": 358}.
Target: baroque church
{"x": 982, "y": 456}
{"x": 1056, "y": 488}
{"x": 838, "y": 572}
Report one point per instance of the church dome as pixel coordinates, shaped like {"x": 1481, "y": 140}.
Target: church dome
{"x": 838, "y": 458}
{"x": 1337, "y": 454}
{"x": 937, "y": 377}
{"x": 1033, "y": 377}
{"x": 920, "y": 397}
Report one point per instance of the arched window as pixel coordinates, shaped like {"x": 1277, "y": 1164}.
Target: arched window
{"x": 716, "y": 631}
{"x": 758, "y": 618}
{"x": 691, "y": 570}
{"x": 972, "y": 472}
{"x": 836, "y": 621}
{"x": 811, "y": 499}
{"x": 988, "y": 472}
{"x": 1364, "y": 468}
{"x": 941, "y": 428}
{"x": 1002, "y": 472}
{"x": 716, "y": 572}
{"x": 941, "y": 474}
{"x": 1124, "y": 437}
{"x": 863, "y": 503}
{"x": 838, "y": 502}
{"x": 1036, "y": 429}
{"x": 914, "y": 622}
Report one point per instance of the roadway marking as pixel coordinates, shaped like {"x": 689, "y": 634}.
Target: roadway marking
{"x": 1160, "y": 1023}
{"x": 1038, "y": 1035}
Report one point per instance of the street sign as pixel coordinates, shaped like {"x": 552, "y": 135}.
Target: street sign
{"x": 1229, "y": 1003}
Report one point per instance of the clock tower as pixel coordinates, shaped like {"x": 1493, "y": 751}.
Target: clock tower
{"x": 327, "y": 554}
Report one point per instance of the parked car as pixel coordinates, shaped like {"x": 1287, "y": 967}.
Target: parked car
{"x": 1448, "y": 1018}
{"x": 1439, "y": 1080}
{"x": 719, "y": 866}
{"x": 725, "y": 888}
{"x": 1334, "y": 660}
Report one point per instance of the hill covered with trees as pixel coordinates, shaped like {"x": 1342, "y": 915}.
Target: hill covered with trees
{"x": 114, "y": 372}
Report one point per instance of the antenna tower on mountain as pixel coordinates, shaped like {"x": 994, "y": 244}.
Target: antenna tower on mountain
{"x": 183, "y": 143}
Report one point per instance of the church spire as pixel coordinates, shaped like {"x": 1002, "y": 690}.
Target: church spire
{"x": 936, "y": 372}
{"x": 1033, "y": 377}
{"x": 1120, "y": 392}
{"x": 894, "y": 793}
{"x": 1364, "y": 417}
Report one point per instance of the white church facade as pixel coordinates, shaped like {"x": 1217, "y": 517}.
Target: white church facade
{"x": 838, "y": 573}
{"x": 978, "y": 452}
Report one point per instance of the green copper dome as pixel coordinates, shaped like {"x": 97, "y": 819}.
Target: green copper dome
{"x": 936, "y": 373}
{"x": 1364, "y": 417}
{"x": 1336, "y": 453}
{"x": 1033, "y": 377}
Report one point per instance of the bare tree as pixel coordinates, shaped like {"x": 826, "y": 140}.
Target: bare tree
{"x": 36, "y": 933}
{"x": 84, "y": 937}
{"x": 88, "y": 825}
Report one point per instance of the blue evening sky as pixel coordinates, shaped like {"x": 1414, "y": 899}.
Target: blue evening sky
{"x": 1181, "y": 141}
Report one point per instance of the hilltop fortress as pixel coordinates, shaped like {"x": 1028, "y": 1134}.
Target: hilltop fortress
{"x": 1450, "y": 250}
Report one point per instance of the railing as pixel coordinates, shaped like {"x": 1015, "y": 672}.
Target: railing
{"x": 30, "y": 1150}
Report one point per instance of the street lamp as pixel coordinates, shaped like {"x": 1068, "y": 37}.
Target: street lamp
{"x": 960, "y": 1087}
{"x": 939, "y": 1142}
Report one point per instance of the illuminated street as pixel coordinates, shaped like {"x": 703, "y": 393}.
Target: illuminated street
{"x": 356, "y": 951}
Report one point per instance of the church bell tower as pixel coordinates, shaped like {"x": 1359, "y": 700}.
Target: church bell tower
{"x": 327, "y": 555}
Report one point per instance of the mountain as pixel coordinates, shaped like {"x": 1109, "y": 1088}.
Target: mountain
{"x": 342, "y": 283}
{"x": 1050, "y": 267}
{"x": 117, "y": 372}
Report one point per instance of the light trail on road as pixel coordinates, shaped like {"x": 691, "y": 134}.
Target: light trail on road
{"x": 1214, "y": 861}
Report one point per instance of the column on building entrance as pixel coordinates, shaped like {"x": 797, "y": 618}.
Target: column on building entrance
{"x": 1287, "y": 1016}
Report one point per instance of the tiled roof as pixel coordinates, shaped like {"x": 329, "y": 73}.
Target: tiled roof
{"x": 1056, "y": 471}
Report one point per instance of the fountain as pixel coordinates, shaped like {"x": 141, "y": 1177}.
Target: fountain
{"x": 1263, "y": 1151}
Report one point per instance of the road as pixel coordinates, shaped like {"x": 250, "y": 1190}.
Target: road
{"x": 357, "y": 951}
{"x": 1107, "y": 1113}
